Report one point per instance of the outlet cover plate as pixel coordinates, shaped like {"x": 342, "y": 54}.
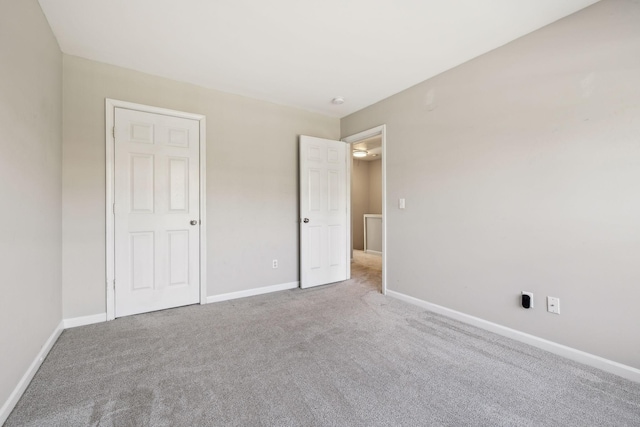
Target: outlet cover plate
{"x": 553, "y": 305}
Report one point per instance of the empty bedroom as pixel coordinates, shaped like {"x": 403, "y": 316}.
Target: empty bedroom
{"x": 337, "y": 213}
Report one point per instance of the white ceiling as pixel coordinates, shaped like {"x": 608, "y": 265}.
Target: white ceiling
{"x": 300, "y": 53}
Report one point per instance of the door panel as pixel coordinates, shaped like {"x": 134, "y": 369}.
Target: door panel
{"x": 323, "y": 201}
{"x": 335, "y": 241}
{"x": 142, "y": 183}
{"x": 141, "y": 260}
{"x": 156, "y": 198}
{"x": 178, "y": 184}
{"x": 178, "y": 257}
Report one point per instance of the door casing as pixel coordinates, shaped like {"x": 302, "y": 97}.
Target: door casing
{"x": 110, "y": 106}
{"x": 352, "y": 139}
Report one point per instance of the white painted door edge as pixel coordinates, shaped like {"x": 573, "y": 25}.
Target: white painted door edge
{"x": 110, "y": 106}
{"x": 382, "y": 131}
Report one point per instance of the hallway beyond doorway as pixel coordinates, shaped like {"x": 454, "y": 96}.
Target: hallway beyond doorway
{"x": 367, "y": 268}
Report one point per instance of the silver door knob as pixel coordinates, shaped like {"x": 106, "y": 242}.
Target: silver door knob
{"x": 306, "y": 220}
{"x": 194, "y": 222}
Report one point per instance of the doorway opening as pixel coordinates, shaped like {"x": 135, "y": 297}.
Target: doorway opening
{"x": 366, "y": 173}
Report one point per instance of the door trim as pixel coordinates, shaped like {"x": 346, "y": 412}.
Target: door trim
{"x": 382, "y": 131}
{"x": 110, "y": 106}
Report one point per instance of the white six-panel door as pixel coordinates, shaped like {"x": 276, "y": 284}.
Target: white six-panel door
{"x": 156, "y": 185}
{"x": 323, "y": 211}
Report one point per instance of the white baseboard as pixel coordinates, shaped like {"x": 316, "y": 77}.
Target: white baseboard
{"x": 84, "y": 320}
{"x": 372, "y": 252}
{"x": 252, "y": 292}
{"x": 580, "y": 356}
{"x": 16, "y": 394}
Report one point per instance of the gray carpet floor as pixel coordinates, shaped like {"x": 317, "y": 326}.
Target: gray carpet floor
{"x": 338, "y": 355}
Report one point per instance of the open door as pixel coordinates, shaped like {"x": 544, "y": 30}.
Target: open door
{"x": 323, "y": 211}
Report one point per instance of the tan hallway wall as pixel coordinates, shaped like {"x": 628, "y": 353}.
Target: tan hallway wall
{"x": 366, "y": 196}
{"x": 375, "y": 187}
{"x": 359, "y": 200}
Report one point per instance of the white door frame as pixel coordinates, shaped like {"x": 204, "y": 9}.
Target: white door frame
{"x": 110, "y": 106}
{"x": 352, "y": 139}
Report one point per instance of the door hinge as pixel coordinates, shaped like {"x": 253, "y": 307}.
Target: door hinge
{"x": 113, "y": 131}
{"x": 113, "y": 208}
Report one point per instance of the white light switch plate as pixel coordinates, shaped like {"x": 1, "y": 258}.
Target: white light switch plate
{"x": 401, "y": 203}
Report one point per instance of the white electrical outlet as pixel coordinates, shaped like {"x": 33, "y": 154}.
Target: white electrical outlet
{"x": 401, "y": 203}
{"x": 275, "y": 263}
{"x": 553, "y": 305}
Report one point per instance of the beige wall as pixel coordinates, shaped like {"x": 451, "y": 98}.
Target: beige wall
{"x": 30, "y": 151}
{"x": 366, "y": 196}
{"x": 359, "y": 200}
{"x": 375, "y": 187}
{"x": 521, "y": 171}
{"x": 252, "y": 175}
